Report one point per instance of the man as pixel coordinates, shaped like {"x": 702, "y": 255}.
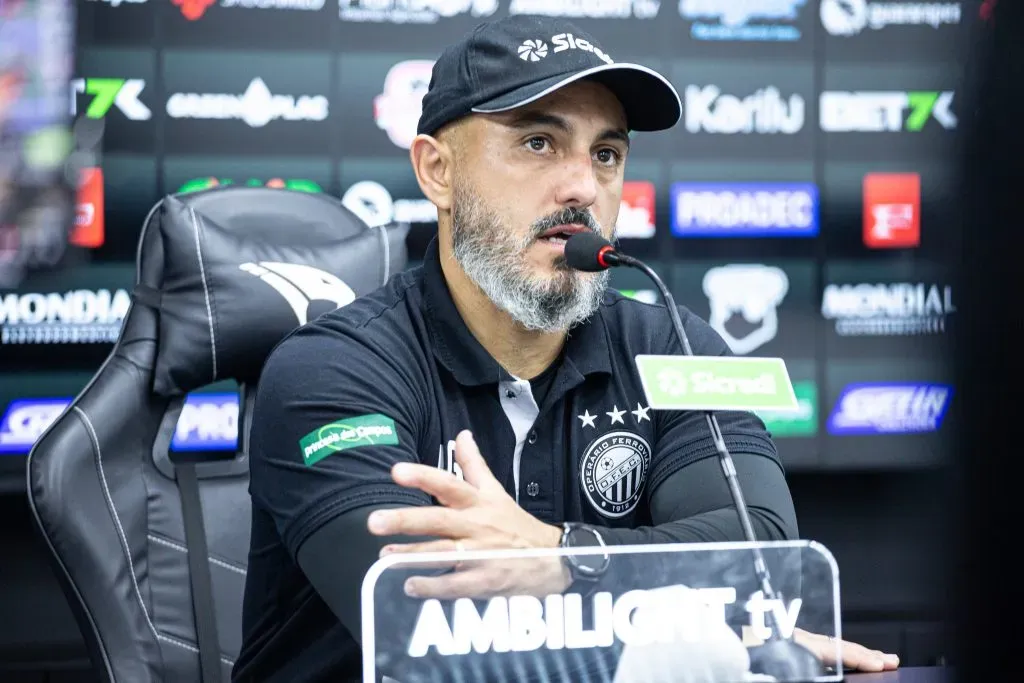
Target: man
{"x": 489, "y": 378}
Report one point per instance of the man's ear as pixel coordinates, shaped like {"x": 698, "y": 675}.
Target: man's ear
{"x": 432, "y": 163}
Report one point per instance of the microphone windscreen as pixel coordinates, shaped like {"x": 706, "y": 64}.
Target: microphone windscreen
{"x": 582, "y": 251}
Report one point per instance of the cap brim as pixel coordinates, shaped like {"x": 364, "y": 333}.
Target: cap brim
{"x": 651, "y": 103}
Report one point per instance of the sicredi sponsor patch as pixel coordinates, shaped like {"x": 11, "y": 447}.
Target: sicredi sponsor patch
{"x": 365, "y": 430}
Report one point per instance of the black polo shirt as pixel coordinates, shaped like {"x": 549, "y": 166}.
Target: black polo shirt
{"x": 394, "y": 377}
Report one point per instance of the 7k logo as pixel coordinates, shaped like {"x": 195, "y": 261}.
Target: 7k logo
{"x": 122, "y": 93}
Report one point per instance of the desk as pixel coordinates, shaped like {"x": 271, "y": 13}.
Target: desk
{"x": 910, "y": 674}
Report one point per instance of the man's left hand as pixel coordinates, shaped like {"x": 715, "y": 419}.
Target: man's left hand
{"x": 855, "y": 657}
{"x": 475, "y": 514}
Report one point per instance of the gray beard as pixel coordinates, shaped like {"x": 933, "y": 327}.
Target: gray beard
{"x": 491, "y": 255}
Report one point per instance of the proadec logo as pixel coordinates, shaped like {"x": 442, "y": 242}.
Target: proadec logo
{"x": 82, "y": 316}
{"x": 709, "y": 110}
{"x": 851, "y": 17}
{"x": 536, "y": 50}
{"x": 744, "y": 209}
{"x": 372, "y": 202}
{"x": 122, "y": 93}
{"x": 575, "y": 9}
{"x": 413, "y": 11}
{"x": 874, "y": 111}
{"x": 257, "y": 106}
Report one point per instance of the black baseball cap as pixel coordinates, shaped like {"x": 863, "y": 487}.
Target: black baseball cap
{"x": 504, "y": 64}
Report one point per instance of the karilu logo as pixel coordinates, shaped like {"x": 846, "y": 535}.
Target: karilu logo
{"x": 708, "y": 110}
{"x": 122, "y": 93}
{"x": 850, "y": 17}
{"x": 874, "y": 112}
{"x": 82, "y": 316}
{"x": 257, "y": 106}
{"x": 303, "y": 286}
{"x": 753, "y": 291}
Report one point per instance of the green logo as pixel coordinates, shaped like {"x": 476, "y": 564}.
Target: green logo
{"x": 297, "y": 184}
{"x": 647, "y": 296}
{"x": 926, "y": 105}
{"x": 716, "y": 383}
{"x": 802, "y": 422}
{"x": 365, "y": 430}
{"x": 106, "y": 93}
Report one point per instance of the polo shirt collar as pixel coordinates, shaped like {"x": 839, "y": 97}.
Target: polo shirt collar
{"x": 586, "y": 351}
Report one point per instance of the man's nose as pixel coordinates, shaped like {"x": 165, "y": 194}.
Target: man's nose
{"x": 577, "y": 184}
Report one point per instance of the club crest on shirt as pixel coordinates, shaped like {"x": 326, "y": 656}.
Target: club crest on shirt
{"x": 613, "y": 471}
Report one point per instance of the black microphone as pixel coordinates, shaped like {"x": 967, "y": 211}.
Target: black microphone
{"x": 784, "y": 659}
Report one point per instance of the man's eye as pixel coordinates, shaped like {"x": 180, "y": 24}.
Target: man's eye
{"x": 537, "y": 144}
{"x": 607, "y": 156}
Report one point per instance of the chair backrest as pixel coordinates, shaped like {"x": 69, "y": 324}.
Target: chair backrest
{"x": 222, "y": 276}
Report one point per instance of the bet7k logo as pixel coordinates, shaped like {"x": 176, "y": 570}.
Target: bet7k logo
{"x": 122, "y": 93}
{"x": 870, "y": 112}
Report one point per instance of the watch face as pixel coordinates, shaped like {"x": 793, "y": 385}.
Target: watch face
{"x": 585, "y": 538}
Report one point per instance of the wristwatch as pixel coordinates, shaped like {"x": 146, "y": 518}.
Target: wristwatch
{"x": 585, "y": 569}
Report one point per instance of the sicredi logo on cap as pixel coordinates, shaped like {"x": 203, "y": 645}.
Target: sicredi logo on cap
{"x": 536, "y": 50}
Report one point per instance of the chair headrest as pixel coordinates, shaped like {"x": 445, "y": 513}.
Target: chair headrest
{"x": 235, "y": 269}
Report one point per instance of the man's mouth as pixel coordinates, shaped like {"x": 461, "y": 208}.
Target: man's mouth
{"x": 561, "y": 233}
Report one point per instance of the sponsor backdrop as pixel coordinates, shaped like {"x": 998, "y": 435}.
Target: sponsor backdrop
{"x": 802, "y": 204}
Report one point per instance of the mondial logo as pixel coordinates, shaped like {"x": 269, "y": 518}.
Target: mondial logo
{"x": 886, "y": 310}
{"x": 256, "y": 107}
{"x": 82, "y": 316}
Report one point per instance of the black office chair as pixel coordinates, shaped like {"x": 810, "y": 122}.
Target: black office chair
{"x": 152, "y": 552}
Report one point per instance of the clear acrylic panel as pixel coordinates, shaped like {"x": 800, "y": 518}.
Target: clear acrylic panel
{"x": 659, "y": 613}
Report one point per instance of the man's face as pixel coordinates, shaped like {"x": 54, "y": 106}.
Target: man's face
{"x": 523, "y": 182}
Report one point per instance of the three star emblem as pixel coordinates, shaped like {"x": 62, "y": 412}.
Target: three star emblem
{"x": 615, "y": 415}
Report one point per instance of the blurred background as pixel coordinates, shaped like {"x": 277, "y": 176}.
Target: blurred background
{"x": 805, "y": 206}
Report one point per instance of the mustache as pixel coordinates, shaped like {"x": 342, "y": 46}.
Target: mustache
{"x": 565, "y": 216}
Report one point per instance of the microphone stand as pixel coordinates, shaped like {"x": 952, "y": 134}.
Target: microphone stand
{"x": 780, "y": 657}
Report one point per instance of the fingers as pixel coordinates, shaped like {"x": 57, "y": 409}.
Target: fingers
{"x": 442, "y": 485}
{"x": 854, "y": 656}
{"x": 420, "y": 521}
{"x": 473, "y": 583}
{"x": 474, "y": 467}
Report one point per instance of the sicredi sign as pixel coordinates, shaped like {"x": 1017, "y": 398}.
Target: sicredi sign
{"x": 716, "y": 383}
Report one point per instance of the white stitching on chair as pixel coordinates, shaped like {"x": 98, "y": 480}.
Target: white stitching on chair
{"x": 206, "y": 289}
{"x": 124, "y": 540}
{"x": 183, "y": 549}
